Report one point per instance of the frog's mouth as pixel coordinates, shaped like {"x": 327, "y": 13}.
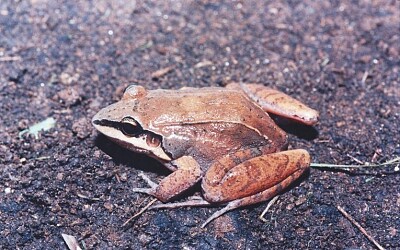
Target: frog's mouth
{"x": 145, "y": 142}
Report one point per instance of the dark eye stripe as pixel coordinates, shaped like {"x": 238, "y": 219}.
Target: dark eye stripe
{"x": 106, "y": 123}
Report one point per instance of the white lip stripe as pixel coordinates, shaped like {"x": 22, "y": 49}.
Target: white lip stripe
{"x": 138, "y": 143}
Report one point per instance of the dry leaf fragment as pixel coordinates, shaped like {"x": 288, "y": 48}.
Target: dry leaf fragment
{"x": 71, "y": 242}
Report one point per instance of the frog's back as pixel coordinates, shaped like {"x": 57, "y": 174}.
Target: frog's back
{"x": 211, "y": 105}
{"x": 200, "y": 105}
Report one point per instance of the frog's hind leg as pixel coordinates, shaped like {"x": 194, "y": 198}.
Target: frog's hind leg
{"x": 276, "y": 102}
{"x": 256, "y": 198}
{"x": 252, "y": 181}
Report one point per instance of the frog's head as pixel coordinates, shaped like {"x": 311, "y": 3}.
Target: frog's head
{"x": 122, "y": 123}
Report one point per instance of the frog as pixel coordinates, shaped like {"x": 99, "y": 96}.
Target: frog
{"x": 221, "y": 137}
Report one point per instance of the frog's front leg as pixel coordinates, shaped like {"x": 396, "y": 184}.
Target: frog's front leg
{"x": 187, "y": 174}
{"x": 276, "y": 102}
{"x": 252, "y": 181}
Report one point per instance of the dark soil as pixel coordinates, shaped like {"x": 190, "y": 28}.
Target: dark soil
{"x": 68, "y": 59}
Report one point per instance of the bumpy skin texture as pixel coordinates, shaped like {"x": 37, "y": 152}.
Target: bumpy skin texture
{"x": 222, "y": 136}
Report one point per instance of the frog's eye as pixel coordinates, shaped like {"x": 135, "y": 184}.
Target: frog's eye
{"x": 130, "y": 127}
{"x": 153, "y": 140}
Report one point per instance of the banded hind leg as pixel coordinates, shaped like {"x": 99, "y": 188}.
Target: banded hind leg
{"x": 276, "y": 102}
{"x": 252, "y": 181}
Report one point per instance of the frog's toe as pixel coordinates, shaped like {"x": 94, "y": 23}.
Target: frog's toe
{"x": 149, "y": 191}
{"x": 149, "y": 182}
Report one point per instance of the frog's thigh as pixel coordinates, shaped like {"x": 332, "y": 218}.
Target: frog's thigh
{"x": 267, "y": 173}
{"x": 187, "y": 174}
{"x": 276, "y": 102}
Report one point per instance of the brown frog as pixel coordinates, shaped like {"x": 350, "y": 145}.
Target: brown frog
{"x": 222, "y": 137}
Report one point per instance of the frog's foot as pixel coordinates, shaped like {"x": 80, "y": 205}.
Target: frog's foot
{"x": 149, "y": 182}
{"x": 187, "y": 174}
{"x": 150, "y": 191}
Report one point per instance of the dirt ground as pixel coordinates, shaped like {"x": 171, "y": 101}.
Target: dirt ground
{"x": 68, "y": 59}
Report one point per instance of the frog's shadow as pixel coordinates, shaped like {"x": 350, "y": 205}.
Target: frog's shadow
{"x": 300, "y": 130}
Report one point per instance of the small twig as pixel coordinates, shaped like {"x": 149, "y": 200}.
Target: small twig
{"x": 355, "y": 159}
{"x": 42, "y": 158}
{"x": 355, "y": 223}
{"x": 364, "y": 77}
{"x": 366, "y": 165}
{"x": 140, "y": 212}
{"x": 203, "y": 64}
{"x": 269, "y": 205}
{"x": 10, "y": 58}
{"x": 376, "y": 154}
{"x": 161, "y": 72}
{"x": 86, "y": 197}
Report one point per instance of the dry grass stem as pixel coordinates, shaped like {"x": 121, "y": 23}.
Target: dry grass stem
{"x": 366, "y": 165}
{"x": 140, "y": 212}
{"x": 363, "y": 231}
